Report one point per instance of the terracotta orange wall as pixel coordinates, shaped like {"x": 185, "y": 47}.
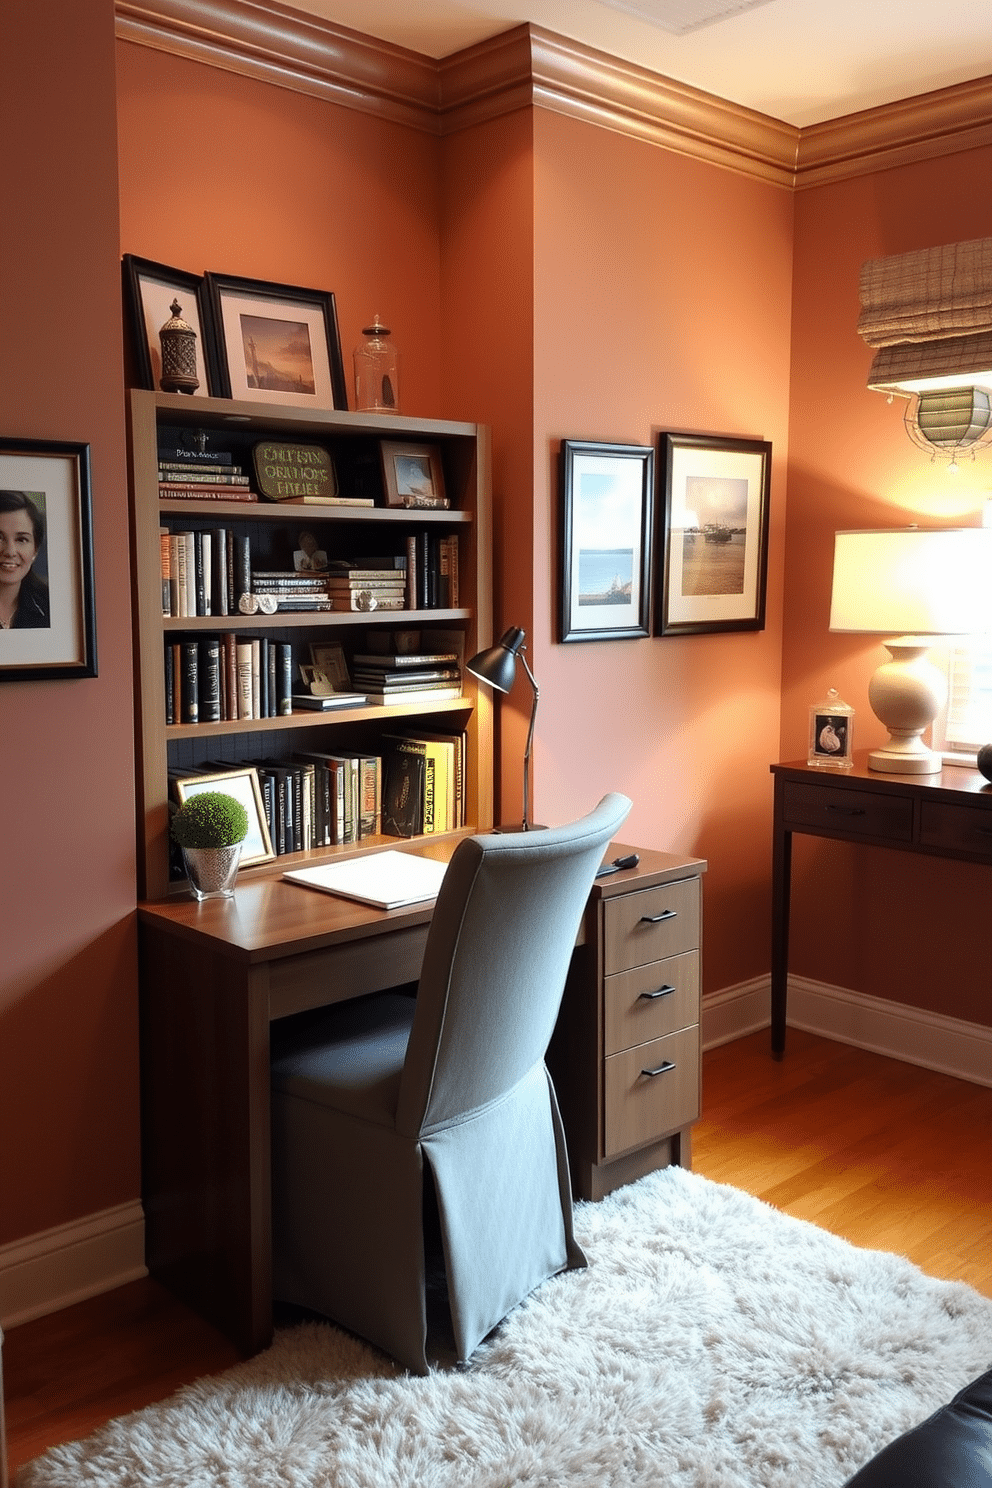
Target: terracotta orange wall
{"x": 662, "y": 302}
{"x": 223, "y": 173}
{"x": 68, "y": 985}
{"x": 911, "y": 929}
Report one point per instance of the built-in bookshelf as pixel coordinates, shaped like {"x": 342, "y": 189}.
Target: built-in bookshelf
{"x": 454, "y": 612}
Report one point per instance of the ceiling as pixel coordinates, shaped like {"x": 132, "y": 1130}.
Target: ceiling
{"x": 800, "y": 61}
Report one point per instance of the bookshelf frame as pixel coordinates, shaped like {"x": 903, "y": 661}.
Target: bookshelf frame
{"x": 465, "y": 449}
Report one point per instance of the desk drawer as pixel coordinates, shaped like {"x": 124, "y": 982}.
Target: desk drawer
{"x": 651, "y": 924}
{"x": 641, "y": 1107}
{"x": 855, "y": 813}
{"x": 651, "y": 1001}
{"x": 956, "y": 828}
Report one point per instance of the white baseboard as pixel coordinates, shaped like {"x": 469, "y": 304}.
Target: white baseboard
{"x": 949, "y": 1045}
{"x": 55, "y": 1268}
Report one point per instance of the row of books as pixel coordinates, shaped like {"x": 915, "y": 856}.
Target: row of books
{"x": 213, "y": 678}
{"x": 209, "y": 572}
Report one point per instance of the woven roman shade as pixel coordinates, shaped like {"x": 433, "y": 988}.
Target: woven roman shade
{"x": 928, "y": 313}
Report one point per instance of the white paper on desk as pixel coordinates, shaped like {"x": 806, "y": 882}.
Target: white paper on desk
{"x": 386, "y": 880}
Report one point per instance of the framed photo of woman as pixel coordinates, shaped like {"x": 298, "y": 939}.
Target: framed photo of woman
{"x": 47, "y": 618}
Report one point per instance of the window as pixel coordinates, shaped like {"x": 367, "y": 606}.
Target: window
{"x": 966, "y": 723}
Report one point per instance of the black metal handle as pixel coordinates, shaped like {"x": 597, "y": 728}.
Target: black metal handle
{"x": 846, "y": 810}
{"x": 661, "y": 1069}
{"x": 666, "y": 914}
{"x": 659, "y": 992}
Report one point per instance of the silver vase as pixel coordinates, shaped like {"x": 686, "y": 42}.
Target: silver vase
{"x": 212, "y": 870}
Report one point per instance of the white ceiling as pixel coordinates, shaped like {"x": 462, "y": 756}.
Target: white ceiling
{"x": 801, "y": 61}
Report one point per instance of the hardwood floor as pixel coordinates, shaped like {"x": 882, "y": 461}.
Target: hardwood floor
{"x": 883, "y": 1153}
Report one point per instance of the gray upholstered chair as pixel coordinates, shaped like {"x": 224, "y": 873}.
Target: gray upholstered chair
{"x": 383, "y": 1096}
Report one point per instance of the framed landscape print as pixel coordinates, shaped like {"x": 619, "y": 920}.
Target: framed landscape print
{"x": 275, "y": 343}
{"x": 606, "y": 513}
{"x": 47, "y": 618}
{"x": 149, "y": 291}
{"x": 713, "y": 561}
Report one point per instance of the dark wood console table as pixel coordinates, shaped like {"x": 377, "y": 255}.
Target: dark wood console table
{"x": 947, "y": 815}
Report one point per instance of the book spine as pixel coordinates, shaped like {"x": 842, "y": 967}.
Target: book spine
{"x": 199, "y": 588}
{"x": 242, "y": 569}
{"x": 189, "y": 544}
{"x": 165, "y": 562}
{"x": 244, "y": 678}
{"x": 256, "y": 677}
{"x": 370, "y": 811}
{"x": 411, "y": 573}
{"x": 264, "y": 645}
{"x": 179, "y": 571}
{"x": 424, "y": 571}
{"x": 202, "y": 459}
{"x": 270, "y": 672}
{"x": 231, "y": 675}
{"x": 170, "y": 687}
{"x": 284, "y": 680}
{"x": 218, "y": 582}
{"x": 190, "y": 683}
{"x": 210, "y": 709}
{"x": 208, "y": 586}
{"x": 177, "y": 681}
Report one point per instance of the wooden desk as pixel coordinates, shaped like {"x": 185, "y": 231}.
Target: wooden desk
{"x": 213, "y": 976}
{"x": 948, "y": 815}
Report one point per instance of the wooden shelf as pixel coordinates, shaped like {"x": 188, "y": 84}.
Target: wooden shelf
{"x": 465, "y": 455}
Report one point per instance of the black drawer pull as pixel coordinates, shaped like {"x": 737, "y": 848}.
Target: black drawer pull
{"x": 661, "y": 1069}
{"x": 660, "y": 992}
{"x": 846, "y": 810}
{"x": 666, "y": 914}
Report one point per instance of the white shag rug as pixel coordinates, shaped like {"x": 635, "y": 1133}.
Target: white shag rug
{"x": 713, "y": 1342}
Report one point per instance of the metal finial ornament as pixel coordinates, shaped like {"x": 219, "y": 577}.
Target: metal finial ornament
{"x": 178, "y": 341}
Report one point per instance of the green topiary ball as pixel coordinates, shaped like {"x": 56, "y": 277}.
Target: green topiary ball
{"x": 210, "y": 820}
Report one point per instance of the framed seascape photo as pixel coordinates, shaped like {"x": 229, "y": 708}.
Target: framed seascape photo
{"x": 606, "y": 512}
{"x": 244, "y": 787}
{"x": 275, "y": 343}
{"x": 47, "y": 617}
{"x": 412, "y": 474}
{"x": 150, "y": 289}
{"x": 713, "y": 561}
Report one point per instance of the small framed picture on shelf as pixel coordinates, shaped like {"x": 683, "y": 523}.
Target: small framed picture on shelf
{"x": 47, "y": 616}
{"x": 243, "y": 785}
{"x": 413, "y": 475}
{"x": 275, "y": 343}
{"x": 150, "y": 291}
{"x": 606, "y": 496}
{"x": 713, "y": 561}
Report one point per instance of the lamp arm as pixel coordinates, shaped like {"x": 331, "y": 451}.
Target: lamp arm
{"x": 530, "y": 738}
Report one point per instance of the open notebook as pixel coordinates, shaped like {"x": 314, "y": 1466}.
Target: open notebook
{"x": 386, "y": 880}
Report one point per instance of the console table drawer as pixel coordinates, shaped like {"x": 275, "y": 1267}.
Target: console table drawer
{"x": 640, "y": 1106}
{"x": 650, "y": 1001}
{"x": 956, "y": 828}
{"x": 651, "y": 924}
{"x": 855, "y": 813}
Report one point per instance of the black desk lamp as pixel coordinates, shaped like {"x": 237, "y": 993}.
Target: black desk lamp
{"x": 498, "y": 667}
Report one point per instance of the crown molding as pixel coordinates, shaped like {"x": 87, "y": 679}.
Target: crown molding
{"x": 913, "y": 129}
{"x": 273, "y": 43}
{"x": 529, "y": 67}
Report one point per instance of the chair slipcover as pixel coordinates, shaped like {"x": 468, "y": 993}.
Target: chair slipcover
{"x": 386, "y": 1093}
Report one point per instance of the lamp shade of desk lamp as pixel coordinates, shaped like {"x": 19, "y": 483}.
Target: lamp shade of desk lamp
{"x": 911, "y": 584}
{"x": 498, "y": 668}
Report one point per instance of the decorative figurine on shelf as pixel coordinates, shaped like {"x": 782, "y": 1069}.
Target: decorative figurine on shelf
{"x": 376, "y": 371}
{"x": 309, "y": 557}
{"x": 178, "y": 342}
{"x": 831, "y": 733}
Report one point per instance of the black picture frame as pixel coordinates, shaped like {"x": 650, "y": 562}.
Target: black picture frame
{"x": 149, "y": 290}
{"x": 300, "y": 365}
{"x": 58, "y": 642}
{"x": 712, "y": 560}
{"x": 607, "y": 496}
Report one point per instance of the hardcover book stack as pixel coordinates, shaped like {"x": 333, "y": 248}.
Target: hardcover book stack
{"x": 367, "y": 584}
{"x": 210, "y": 679}
{"x": 418, "y": 677}
{"x": 195, "y": 475}
{"x": 293, "y": 592}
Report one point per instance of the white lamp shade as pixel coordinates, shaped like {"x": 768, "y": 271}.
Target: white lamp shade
{"x": 913, "y": 581}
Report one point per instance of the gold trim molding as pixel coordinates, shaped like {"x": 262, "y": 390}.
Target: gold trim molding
{"x": 529, "y": 67}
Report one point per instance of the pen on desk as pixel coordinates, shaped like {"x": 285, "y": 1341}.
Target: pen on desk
{"x": 631, "y": 861}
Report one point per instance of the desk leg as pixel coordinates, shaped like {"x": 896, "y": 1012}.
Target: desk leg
{"x": 781, "y": 890}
